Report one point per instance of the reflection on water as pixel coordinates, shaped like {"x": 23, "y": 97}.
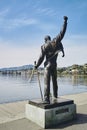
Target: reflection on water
{"x": 79, "y": 80}
{"x": 18, "y": 87}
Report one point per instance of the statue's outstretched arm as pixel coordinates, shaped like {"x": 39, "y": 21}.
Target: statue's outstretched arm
{"x": 63, "y": 30}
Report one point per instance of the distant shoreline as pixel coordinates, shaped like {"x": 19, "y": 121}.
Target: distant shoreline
{"x": 27, "y": 69}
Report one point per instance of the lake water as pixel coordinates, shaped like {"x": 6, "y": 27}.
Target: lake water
{"x": 17, "y": 87}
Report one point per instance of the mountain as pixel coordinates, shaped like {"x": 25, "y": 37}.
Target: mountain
{"x": 24, "y": 67}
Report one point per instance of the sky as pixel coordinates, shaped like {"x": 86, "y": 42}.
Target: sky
{"x": 25, "y": 23}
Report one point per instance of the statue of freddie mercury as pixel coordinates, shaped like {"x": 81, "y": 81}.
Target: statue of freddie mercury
{"x": 50, "y": 50}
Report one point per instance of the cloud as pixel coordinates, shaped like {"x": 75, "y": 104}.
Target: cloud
{"x": 82, "y": 5}
{"x": 10, "y": 21}
{"x": 75, "y": 40}
{"x": 75, "y": 50}
{"x": 73, "y": 55}
{"x": 13, "y": 56}
{"x": 22, "y": 22}
{"x": 75, "y": 47}
{"x": 47, "y": 27}
{"x": 79, "y": 36}
{"x": 4, "y": 12}
{"x": 46, "y": 11}
{"x": 17, "y": 22}
{"x": 42, "y": 10}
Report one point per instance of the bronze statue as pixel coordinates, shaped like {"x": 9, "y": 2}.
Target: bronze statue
{"x": 50, "y": 50}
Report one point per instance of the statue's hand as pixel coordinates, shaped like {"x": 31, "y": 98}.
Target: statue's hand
{"x": 35, "y": 66}
{"x": 63, "y": 55}
{"x": 65, "y": 18}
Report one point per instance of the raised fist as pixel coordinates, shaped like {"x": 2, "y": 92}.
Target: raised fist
{"x": 65, "y": 18}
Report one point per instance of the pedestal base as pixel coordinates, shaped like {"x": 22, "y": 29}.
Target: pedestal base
{"x": 47, "y": 115}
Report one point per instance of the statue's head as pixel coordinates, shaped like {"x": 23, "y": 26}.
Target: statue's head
{"x": 47, "y": 38}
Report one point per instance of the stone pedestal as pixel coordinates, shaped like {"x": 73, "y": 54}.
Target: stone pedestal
{"x": 47, "y": 115}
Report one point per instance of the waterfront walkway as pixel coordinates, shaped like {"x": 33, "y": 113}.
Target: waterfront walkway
{"x": 12, "y": 116}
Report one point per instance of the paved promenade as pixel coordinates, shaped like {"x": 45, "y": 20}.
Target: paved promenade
{"x": 12, "y": 116}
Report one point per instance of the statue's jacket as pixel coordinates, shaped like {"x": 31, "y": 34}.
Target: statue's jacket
{"x": 50, "y": 49}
